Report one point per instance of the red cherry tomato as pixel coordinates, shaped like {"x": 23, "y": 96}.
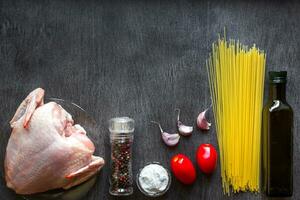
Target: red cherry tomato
{"x": 207, "y": 158}
{"x": 183, "y": 169}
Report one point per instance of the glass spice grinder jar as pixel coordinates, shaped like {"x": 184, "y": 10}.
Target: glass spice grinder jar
{"x": 121, "y": 139}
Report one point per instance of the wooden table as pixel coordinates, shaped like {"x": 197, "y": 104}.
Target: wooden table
{"x": 140, "y": 59}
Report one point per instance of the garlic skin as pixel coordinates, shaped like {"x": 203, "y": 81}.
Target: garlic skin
{"x": 183, "y": 129}
{"x": 169, "y": 139}
{"x": 202, "y": 122}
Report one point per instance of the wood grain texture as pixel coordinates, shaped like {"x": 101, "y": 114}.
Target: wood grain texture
{"x": 141, "y": 59}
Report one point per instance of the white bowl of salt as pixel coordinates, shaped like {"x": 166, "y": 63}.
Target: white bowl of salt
{"x": 153, "y": 180}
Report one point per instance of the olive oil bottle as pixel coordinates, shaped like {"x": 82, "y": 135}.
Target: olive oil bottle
{"x": 277, "y": 137}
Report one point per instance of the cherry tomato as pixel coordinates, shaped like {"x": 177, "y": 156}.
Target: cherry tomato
{"x": 183, "y": 169}
{"x": 207, "y": 158}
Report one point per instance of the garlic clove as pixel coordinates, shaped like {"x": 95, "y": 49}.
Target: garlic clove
{"x": 202, "y": 122}
{"x": 170, "y": 139}
{"x": 185, "y": 130}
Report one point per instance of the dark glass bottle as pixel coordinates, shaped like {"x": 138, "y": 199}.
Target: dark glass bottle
{"x": 277, "y": 139}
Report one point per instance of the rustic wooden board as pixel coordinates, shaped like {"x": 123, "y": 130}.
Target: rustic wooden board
{"x": 140, "y": 59}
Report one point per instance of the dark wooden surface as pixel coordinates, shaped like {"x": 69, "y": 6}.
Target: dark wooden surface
{"x": 140, "y": 59}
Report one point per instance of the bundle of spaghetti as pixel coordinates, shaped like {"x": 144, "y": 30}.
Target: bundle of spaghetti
{"x": 236, "y": 80}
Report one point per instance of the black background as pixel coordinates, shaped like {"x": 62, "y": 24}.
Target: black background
{"x": 140, "y": 59}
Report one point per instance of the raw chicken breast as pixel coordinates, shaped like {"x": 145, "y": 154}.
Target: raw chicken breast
{"x": 46, "y": 150}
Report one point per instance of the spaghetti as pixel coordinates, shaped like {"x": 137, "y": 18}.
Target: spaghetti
{"x": 236, "y": 80}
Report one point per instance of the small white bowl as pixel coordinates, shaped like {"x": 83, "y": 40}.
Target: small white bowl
{"x": 158, "y": 193}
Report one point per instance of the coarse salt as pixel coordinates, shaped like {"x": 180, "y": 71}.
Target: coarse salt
{"x": 153, "y": 179}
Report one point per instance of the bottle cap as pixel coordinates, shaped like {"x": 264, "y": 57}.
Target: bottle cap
{"x": 121, "y": 125}
{"x": 277, "y": 76}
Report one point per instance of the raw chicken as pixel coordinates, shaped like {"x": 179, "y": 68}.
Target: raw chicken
{"x": 46, "y": 150}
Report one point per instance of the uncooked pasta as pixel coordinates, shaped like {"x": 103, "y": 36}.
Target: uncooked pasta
{"x": 236, "y": 80}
